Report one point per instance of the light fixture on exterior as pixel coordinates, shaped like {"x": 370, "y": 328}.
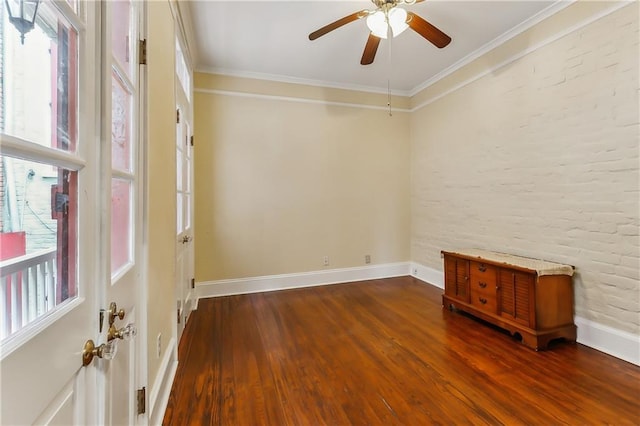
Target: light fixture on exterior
{"x": 396, "y": 17}
{"x": 22, "y": 14}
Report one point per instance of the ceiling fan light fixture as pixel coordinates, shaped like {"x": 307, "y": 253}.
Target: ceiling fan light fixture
{"x": 377, "y": 22}
{"x": 398, "y": 20}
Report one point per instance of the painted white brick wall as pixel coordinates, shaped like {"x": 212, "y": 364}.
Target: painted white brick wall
{"x": 541, "y": 158}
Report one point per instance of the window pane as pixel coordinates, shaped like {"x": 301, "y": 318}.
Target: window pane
{"x": 179, "y": 130}
{"x": 187, "y": 215}
{"x": 120, "y": 224}
{"x": 179, "y": 162}
{"x": 121, "y": 101}
{"x": 179, "y": 213}
{"x": 183, "y": 72}
{"x": 73, "y": 4}
{"x": 120, "y": 33}
{"x": 38, "y": 96}
{"x": 38, "y": 240}
{"x": 188, "y": 176}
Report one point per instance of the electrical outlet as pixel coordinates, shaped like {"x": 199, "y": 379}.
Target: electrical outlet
{"x": 159, "y": 345}
{"x": 367, "y": 258}
{"x": 325, "y": 261}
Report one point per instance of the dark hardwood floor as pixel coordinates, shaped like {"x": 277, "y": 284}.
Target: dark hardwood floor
{"x": 382, "y": 352}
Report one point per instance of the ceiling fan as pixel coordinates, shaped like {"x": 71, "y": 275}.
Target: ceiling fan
{"x": 386, "y": 20}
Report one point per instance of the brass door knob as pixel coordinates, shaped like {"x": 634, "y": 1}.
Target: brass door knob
{"x": 114, "y": 312}
{"x": 105, "y": 351}
{"x": 127, "y": 332}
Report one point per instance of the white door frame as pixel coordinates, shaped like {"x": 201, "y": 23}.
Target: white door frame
{"x": 185, "y": 294}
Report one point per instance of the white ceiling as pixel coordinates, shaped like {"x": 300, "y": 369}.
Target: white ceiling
{"x": 269, "y": 39}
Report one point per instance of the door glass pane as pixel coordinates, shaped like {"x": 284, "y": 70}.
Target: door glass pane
{"x": 121, "y": 101}
{"x": 120, "y": 224}
{"x": 39, "y": 81}
{"x": 38, "y": 240}
{"x": 120, "y": 35}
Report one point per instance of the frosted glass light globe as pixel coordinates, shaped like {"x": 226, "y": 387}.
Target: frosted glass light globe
{"x": 378, "y": 24}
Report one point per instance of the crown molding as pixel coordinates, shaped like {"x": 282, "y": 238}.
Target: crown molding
{"x": 300, "y": 81}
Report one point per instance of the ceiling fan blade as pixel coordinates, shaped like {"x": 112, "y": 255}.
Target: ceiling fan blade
{"x": 370, "y": 50}
{"x": 428, "y": 31}
{"x": 337, "y": 24}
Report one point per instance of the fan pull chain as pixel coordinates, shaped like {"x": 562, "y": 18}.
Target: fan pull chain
{"x": 389, "y": 97}
{"x": 389, "y": 38}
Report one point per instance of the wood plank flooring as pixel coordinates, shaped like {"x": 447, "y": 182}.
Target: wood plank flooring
{"x": 382, "y": 352}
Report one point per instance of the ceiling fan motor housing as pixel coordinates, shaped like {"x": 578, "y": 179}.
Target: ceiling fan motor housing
{"x": 382, "y": 3}
{"x": 388, "y": 4}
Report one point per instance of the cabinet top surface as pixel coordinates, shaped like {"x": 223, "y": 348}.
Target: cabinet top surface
{"x": 541, "y": 267}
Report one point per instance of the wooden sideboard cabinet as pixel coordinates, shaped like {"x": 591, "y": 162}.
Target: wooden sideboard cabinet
{"x": 529, "y": 297}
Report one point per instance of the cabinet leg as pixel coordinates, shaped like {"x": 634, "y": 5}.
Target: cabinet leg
{"x": 530, "y": 341}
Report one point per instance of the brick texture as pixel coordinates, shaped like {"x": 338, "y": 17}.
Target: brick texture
{"x": 541, "y": 158}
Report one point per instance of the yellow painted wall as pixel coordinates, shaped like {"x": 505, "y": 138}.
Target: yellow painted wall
{"x": 161, "y": 170}
{"x": 286, "y": 176}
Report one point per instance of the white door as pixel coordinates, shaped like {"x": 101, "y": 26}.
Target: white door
{"x": 184, "y": 289}
{"x": 185, "y": 293}
{"x": 71, "y": 234}
{"x": 123, "y": 185}
{"x": 50, "y": 267}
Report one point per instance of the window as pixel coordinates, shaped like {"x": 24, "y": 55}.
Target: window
{"x": 183, "y": 72}
{"x": 38, "y": 186}
{"x": 123, "y": 69}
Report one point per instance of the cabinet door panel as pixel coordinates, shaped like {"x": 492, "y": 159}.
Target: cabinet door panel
{"x": 449, "y": 276}
{"x": 515, "y": 296}
{"x": 456, "y": 278}
{"x": 524, "y": 298}
{"x": 507, "y": 294}
{"x": 462, "y": 280}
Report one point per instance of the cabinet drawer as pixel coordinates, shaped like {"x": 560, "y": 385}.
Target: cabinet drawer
{"x": 483, "y": 285}
{"x": 484, "y": 299}
{"x": 483, "y": 272}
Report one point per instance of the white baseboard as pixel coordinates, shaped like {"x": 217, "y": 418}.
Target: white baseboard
{"x": 304, "y": 279}
{"x": 159, "y": 395}
{"x": 427, "y": 274}
{"x": 609, "y": 340}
